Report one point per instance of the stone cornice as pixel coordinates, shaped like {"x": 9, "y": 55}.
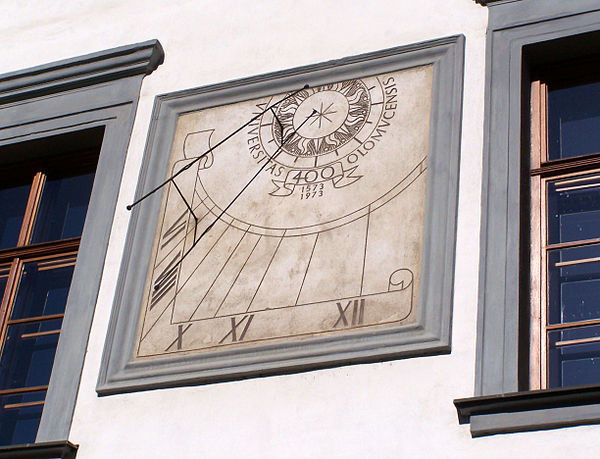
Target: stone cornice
{"x": 100, "y": 67}
{"x": 492, "y": 2}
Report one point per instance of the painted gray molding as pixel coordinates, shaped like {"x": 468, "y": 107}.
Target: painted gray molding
{"x": 497, "y": 362}
{"x": 494, "y": 2}
{"x": 513, "y": 13}
{"x": 56, "y": 109}
{"x": 430, "y": 335}
{"x": 99, "y": 67}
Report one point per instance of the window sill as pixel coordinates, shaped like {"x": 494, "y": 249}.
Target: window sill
{"x": 52, "y": 449}
{"x": 531, "y": 410}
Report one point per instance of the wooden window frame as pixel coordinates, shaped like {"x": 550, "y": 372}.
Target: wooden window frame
{"x": 25, "y": 251}
{"x": 542, "y": 171}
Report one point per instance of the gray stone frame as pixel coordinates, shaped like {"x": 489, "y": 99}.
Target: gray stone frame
{"x": 514, "y": 25}
{"x": 95, "y": 90}
{"x": 429, "y": 335}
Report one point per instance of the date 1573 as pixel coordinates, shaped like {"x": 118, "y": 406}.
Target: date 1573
{"x": 311, "y": 191}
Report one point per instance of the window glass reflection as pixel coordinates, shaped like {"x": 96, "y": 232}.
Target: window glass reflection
{"x": 13, "y": 202}
{"x": 573, "y": 284}
{"x": 574, "y": 209}
{"x": 43, "y": 288}
{"x": 574, "y": 357}
{"x": 573, "y": 121}
{"x": 20, "y": 417}
{"x": 28, "y": 354}
{"x": 63, "y": 207}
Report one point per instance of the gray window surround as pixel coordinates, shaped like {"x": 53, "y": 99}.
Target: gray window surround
{"x": 430, "y": 335}
{"x": 520, "y": 34}
{"x": 91, "y": 91}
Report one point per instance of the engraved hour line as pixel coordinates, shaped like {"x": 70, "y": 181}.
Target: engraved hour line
{"x": 187, "y": 166}
{"x": 234, "y": 326}
{"x": 237, "y": 276}
{"x": 204, "y": 258}
{"x": 219, "y": 273}
{"x": 179, "y": 339}
{"x": 307, "y": 267}
{"x": 362, "y": 276}
{"x": 266, "y": 270}
{"x": 358, "y": 311}
{"x": 153, "y": 325}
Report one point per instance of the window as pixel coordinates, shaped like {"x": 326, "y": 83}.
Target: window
{"x": 565, "y": 216}
{"x": 42, "y": 212}
{"x": 525, "y": 36}
{"x": 53, "y": 119}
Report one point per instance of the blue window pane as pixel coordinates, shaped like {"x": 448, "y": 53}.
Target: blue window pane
{"x": 19, "y": 424}
{"x": 573, "y": 363}
{"x": 4, "y": 271}
{"x": 28, "y": 354}
{"x": 63, "y": 208}
{"x": 43, "y": 289}
{"x": 574, "y": 209}
{"x": 573, "y": 121}
{"x": 13, "y": 202}
{"x": 573, "y": 284}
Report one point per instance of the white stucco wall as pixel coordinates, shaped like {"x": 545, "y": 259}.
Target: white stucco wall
{"x": 393, "y": 409}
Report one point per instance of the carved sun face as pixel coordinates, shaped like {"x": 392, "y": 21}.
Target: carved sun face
{"x": 341, "y": 112}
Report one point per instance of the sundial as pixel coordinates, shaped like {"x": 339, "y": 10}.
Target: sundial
{"x": 307, "y": 223}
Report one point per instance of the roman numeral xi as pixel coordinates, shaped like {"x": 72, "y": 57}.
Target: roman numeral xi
{"x": 238, "y": 329}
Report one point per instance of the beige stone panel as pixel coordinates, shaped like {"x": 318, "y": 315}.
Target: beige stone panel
{"x": 212, "y": 301}
{"x": 201, "y": 267}
{"x": 335, "y": 269}
{"x": 249, "y": 279}
{"x": 284, "y": 277}
{"x": 395, "y": 239}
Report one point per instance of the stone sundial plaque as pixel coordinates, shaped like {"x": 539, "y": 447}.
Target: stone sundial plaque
{"x": 326, "y": 240}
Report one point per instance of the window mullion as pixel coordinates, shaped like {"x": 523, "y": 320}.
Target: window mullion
{"x": 536, "y": 290}
{"x": 9, "y": 294}
{"x": 32, "y": 207}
